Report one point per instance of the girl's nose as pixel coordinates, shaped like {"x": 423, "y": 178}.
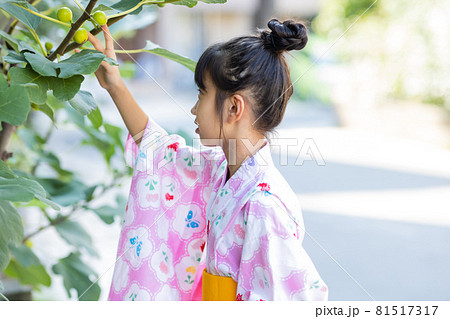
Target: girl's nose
{"x": 194, "y": 109}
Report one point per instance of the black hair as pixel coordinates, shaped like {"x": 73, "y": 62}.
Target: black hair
{"x": 255, "y": 63}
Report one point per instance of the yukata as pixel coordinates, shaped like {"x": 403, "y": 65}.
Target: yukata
{"x": 183, "y": 216}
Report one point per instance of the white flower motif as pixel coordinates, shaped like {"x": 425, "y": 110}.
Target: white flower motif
{"x": 256, "y": 228}
{"x": 261, "y": 279}
{"x": 186, "y": 271}
{"x": 170, "y": 191}
{"x": 195, "y": 248}
{"x": 188, "y": 220}
{"x": 187, "y": 167}
{"x": 137, "y": 246}
{"x": 167, "y": 293}
{"x": 149, "y": 192}
{"x": 162, "y": 263}
{"x": 313, "y": 288}
{"x": 120, "y": 276}
{"x": 136, "y": 294}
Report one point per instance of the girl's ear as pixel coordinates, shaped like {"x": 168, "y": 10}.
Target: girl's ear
{"x": 235, "y": 108}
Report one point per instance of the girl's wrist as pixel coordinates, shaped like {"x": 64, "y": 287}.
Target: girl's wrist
{"x": 116, "y": 88}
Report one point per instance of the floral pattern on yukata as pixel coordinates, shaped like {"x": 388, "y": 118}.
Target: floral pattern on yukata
{"x": 136, "y": 293}
{"x": 182, "y": 216}
{"x": 258, "y": 242}
{"x": 161, "y": 249}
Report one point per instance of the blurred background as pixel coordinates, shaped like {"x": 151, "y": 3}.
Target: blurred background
{"x": 372, "y": 92}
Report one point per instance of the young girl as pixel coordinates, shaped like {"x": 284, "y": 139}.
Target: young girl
{"x": 217, "y": 222}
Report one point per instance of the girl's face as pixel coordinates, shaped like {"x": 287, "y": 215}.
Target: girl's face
{"x": 206, "y": 117}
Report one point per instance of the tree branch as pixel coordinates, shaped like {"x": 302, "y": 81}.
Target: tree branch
{"x": 61, "y": 49}
{"x": 5, "y": 136}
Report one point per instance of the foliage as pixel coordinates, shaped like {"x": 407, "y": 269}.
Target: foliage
{"x": 37, "y": 78}
{"x": 403, "y": 46}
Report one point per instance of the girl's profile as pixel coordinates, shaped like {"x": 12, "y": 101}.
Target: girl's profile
{"x": 218, "y": 222}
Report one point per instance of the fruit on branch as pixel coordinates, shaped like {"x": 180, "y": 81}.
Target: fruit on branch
{"x": 64, "y": 14}
{"x": 48, "y": 46}
{"x": 161, "y": 5}
{"x": 80, "y": 36}
{"x": 100, "y": 17}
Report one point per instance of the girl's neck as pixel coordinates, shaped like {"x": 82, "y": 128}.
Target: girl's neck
{"x": 237, "y": 152}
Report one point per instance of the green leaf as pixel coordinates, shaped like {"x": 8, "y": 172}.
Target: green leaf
{"x": 90, "y": 191}
{"x": 107, "y": 213}
{"x": 18, "y": 46}
{"x": 10, "y": 40}
{"x": 27, "y": 18}
{"x": 16, "y": 188}
{"x": 41, "y": 64}
{"x": 12, "y": 231}
{"x": 48, "y": 202}
{"x": 14, "y": 105}
{"x": 116, "y": 134}
{"x": 63, "y": 193}
{"x": 76, "y": 275}
{"x": 3, "y": 83}
{"x": 121, "y": 203}
{"x": 103, "y": 142}
{"x": 188, "y": 3}
{"x": 47, "y": 110}
{"x": 34, "y": 275}
{"x": 74, "y": 234}
{"x": 124, "y": 5}
{"x": 96, "y": 118}
{"x": 83, "y": 102}
{"x": 52, "y": 160}
{"x": 156, "y": 49}
{"x": 65, "y": 89}
{"x": 103, "y": 8}
{"x": 84, "y": 62}
{"x": 13, "y": 57}
{"x": 213, "y": 1}
{"x": 1, "y": 286}
{"x": 37, "y": 94}
{"x": 24, "y": 255}
{"x": 19, "y": 189}
{"x": 5, "y": 171}
{"x": 111, "y": 61}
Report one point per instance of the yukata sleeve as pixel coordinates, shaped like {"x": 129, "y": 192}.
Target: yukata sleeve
{"x": 170, "y": 189}
{"x": 274, "y": 264}
{"x": 159, "y": 149}
{"x": 153, "y": 137}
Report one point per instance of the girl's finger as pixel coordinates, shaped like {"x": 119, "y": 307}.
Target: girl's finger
{"x": 109, "y": 43}
{"x": 95, "y": 42}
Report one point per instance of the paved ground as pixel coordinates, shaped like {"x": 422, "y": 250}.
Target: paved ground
{"x": 379, "y": 206}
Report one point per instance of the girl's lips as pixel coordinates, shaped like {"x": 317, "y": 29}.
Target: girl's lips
{"x": 197, "y": 131}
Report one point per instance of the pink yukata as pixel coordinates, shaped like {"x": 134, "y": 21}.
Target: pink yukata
{"x": 182, "y": 216}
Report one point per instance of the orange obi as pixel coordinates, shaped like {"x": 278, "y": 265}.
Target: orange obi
{"x": 218, "y": 288}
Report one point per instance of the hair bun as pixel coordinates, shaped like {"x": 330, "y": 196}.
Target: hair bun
{"x": 286, "y": 36}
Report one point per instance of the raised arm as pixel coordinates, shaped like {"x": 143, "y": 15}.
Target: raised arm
{"x": 109, "y": 78}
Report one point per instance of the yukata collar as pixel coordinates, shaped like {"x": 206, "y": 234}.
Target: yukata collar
{"x": 254, "y": 165}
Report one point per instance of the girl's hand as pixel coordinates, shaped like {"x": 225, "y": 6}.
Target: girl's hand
{"x": 107, "y": 75}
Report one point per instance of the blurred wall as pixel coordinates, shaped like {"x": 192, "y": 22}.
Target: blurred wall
{"x": 189, "y": 31}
